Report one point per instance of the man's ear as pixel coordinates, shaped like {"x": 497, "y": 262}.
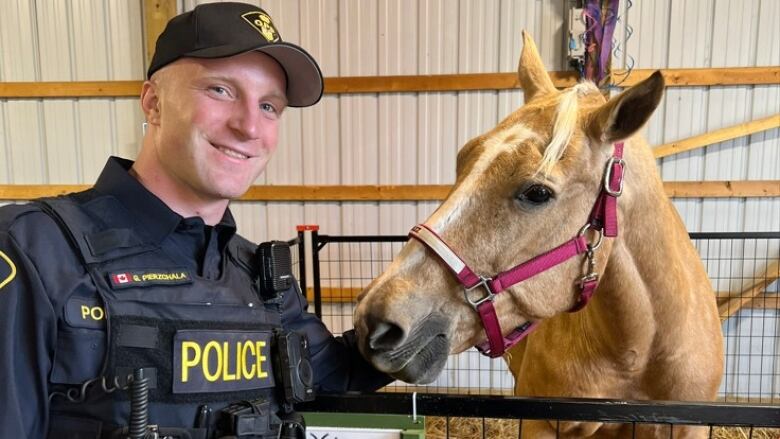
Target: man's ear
{"x": 150, "y": 102}
{"x": 627, "y": 112}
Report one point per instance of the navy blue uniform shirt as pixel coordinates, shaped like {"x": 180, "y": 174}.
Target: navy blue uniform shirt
{"x": 39, "y": 270}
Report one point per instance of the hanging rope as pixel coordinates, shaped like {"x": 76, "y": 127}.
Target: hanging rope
{"x": 600, "y": 19}
{"x": 619, "y": 51}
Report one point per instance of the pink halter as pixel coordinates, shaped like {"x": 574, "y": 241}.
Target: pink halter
{"x": 603, "y": 219}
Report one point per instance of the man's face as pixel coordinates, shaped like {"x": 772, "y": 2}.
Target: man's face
{"x": 218, "y": 123}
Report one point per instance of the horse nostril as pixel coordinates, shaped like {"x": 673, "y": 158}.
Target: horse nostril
{"x": 386, "y": 336}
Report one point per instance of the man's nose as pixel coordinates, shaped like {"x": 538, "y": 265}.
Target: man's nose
{"x": 245, "y": 122}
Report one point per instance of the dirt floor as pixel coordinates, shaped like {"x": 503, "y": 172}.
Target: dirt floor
{"x": 469, "y": 428}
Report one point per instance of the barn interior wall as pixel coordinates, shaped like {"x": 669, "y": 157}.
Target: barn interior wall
{"x": 400, "y": 138}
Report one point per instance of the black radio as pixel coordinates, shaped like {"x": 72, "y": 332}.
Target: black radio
{"x": 273, "y": 264}
{"x": 293, "y": 368}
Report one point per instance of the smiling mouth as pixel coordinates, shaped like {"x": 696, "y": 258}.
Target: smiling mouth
{"x": 231, "y": 153}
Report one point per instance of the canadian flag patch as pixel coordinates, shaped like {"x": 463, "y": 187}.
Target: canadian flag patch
{"x": 121, "y": 278}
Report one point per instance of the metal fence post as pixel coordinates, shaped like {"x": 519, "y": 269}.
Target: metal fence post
{"x": 315, "y": 260}
{"x": 301, "y": 259}
{"x": 309, "y": 262}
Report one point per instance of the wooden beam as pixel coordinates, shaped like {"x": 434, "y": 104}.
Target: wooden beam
{"x": 85, "y": 89}
{"x": 397, "y": 84}
{"x": 156, "y": 16}
{"x": 24, "y": 192}
{"x": 719, "y": 135}
{"x": 437, "y": 83}
{"x": 335, "y": 294}
{"x": 722, "y": 189}
{"x": 732, "y": 306}
{"x": 704, "y": 77}
{"x": 761, "y": 301}
{"x": 430, "y": 192}
{"x": 349, "y": 295}
{"x": 561, "y": 79}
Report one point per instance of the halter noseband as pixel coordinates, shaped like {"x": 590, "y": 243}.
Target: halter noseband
{"x": 603, "y": 220}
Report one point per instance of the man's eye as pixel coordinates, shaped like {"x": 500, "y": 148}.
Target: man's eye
{"x": 219, "y": 90}
{"x": 536, "y": 194}
{"x": 268, "y": 107}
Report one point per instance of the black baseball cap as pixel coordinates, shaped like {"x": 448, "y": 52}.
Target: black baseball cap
{"x": 219, "y": 30}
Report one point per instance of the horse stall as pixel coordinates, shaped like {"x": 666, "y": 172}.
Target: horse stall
{"x": 743, "y": 270}
{"x": 426, "y": 105}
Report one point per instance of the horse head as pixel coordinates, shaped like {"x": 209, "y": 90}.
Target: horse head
{"x": 524, "y": 188}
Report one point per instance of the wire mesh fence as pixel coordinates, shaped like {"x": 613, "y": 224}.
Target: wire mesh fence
{"x": 743, "y": 268}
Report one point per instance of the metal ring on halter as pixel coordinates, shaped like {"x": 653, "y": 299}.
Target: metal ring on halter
{"x": 608, "y": 176}
{"x": 483, "y": 282}
{"x": 598, "y": 241}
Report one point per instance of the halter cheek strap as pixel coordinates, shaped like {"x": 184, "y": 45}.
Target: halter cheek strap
{"x": 603, "y": 220}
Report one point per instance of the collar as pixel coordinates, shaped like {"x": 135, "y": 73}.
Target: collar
{"x": 150, "y": 214}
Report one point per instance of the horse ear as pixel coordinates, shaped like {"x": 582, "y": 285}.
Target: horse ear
{"x": 625, "y": 114}
{"x": 531, "y": 72}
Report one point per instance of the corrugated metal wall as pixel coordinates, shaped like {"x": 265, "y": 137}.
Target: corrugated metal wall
{"x": 67, "y": 140}
{"x": 402, "y": 138}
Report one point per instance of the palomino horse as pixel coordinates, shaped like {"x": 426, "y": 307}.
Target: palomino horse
{"x": 546, "y": 187}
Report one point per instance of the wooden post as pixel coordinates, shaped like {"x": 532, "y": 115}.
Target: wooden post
{"x": 156, "y": 16}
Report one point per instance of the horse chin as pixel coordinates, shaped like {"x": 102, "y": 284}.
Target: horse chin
{"x": 424, "y": 366}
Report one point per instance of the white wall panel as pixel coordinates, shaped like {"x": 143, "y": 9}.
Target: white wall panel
{"x": 396, "y": 138}
{"x": 66, "y": 140}
{"x": 398, "y": 113}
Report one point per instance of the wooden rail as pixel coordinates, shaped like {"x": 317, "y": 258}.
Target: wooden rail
{"x": 727, "y": 306}
{"x": 731, "y": 306}
{"x": 717, "y": 136}
{"x": 374, "y": 193}
{"x": 411, "y": 84}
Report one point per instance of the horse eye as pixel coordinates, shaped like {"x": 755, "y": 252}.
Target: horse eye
{"x": 536, "y": 194}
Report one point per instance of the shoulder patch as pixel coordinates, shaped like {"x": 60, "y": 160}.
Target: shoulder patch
{"x": 7, "y": 270}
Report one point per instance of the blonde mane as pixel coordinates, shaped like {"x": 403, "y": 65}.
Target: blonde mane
{"x": 563, "y": 128}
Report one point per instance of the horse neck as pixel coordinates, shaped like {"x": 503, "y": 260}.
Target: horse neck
{"x": 651, "y": 266}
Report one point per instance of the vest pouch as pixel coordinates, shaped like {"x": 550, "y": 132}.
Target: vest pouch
{"x": 195, "y": 362}
{"x": 79, "y": 355}
{"x": 68, "y": 427}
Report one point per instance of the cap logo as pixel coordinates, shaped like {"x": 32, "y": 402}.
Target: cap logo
{"x": 262, "y": 23}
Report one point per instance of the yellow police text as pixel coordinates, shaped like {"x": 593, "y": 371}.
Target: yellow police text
{"x": 93, "y": 312}
{"x": 214, "y": 360}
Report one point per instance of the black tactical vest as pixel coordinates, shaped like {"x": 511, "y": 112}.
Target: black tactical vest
{"x": 201, "y": 342}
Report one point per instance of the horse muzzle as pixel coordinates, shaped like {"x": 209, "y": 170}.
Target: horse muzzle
{"x": 416, "y": 354}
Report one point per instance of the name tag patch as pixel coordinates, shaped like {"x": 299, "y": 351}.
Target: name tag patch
{"x": 148, "y": 277}
{"x": 221, "y": 361}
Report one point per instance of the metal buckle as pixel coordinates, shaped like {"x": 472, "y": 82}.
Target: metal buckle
{"x": 483, "y": 282}
{"x": 608, "y": 176}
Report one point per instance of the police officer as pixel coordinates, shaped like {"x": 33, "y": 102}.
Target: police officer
{"x": 143, "y": 280}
